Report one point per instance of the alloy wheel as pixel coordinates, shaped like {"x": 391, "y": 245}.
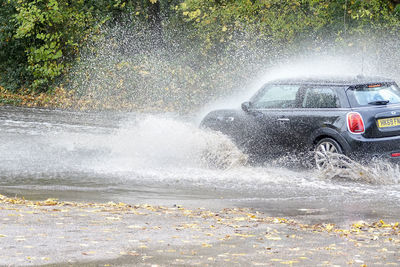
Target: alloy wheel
{"x": 325, "y": 153}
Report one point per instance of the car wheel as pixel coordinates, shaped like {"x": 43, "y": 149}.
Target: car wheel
{"x": 326, "y": 153}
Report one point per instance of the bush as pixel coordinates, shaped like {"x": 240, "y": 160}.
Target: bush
{"x": 201, "y": 47}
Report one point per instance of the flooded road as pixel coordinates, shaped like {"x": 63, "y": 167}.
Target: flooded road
{"x": 157, "y": 159}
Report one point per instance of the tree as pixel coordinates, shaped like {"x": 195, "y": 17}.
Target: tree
{"x": 13, "y": 72}
{"x": 282, "y": 23}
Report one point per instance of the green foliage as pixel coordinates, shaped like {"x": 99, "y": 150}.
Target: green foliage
{"x": 54, "y": 30}
{"x": 13, "y": 60}
{"x": 283, "y": 23}
{"x": 41, "y": 40}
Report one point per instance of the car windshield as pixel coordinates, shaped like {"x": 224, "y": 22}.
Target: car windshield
{"x": 374, "y": 94}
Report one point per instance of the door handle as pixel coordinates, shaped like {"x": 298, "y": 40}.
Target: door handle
{"x": 283, "y": 120}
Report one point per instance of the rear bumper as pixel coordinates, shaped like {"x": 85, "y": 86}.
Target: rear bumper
{"x": 361, "y": 147}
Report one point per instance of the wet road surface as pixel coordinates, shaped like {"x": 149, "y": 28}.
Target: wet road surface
{"x": 156, "y": 159}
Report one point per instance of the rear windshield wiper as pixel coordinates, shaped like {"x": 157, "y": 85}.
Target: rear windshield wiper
{"x": 379, "y": 102}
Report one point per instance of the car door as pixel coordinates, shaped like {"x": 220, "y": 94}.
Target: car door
{"x": 319, "y": 106}
{"x": 272, "y": 108}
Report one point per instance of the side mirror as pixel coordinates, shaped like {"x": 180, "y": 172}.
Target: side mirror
{"x": 246, "y": 106}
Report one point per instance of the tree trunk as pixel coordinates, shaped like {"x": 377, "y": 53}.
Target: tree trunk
{"x": 155, "y": 21}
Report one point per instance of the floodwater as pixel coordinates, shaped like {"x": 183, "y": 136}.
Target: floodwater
{"x": 159, "y": 159}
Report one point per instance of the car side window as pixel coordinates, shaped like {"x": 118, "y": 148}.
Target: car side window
{"x": 276, "y": 96}
{"x": 320, "y": 97}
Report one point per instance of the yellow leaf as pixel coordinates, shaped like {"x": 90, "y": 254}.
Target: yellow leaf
{"x": 239, "y": 254}
{"x": 51, "y": 202}
{"x": 243, "y": 235}
{"x": 384, "y": 224}
{"x": 329, "y": 227}
{"x": 275, "y": 238}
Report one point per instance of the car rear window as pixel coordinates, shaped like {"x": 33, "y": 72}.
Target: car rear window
{"x": 276, "y": 96}
{"x": 374, "y": 94}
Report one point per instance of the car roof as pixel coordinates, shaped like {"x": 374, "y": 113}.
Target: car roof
{"x": 334, "y": 80}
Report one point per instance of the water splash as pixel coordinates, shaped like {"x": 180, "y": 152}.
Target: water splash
{"x": 376, "y": 171}
{"x": 156, "y": 141}
{"x": 166, "y": 143}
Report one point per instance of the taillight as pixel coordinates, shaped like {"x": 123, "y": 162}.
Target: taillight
{"x": 355, "y": 123}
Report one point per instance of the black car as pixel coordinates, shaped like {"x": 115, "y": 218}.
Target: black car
{"x": 357, "y": 116}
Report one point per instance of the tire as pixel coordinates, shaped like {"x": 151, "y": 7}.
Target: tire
{"x": 326, "y": 151}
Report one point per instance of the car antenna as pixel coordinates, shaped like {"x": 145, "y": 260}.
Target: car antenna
{"x": 362, "y": 59}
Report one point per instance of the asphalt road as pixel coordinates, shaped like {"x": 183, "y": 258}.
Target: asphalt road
{"x": 116, "y": 234}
